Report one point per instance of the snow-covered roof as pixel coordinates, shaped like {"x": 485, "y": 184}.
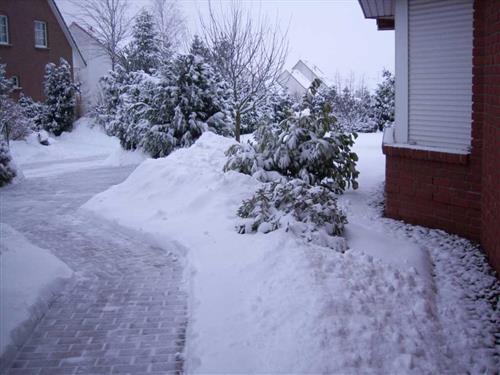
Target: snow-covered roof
{"x": 302, "y": 79}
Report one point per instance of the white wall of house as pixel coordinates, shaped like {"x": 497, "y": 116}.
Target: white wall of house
{"x": 434, "y": 73}
{"x": 98, "y": 65}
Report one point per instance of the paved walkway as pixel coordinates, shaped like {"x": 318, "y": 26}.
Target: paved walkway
{"x": 126, "y": 312}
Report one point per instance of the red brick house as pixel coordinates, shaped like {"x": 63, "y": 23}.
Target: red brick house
{"x": 443, "y": 155}
{"x": 32, "y": 34}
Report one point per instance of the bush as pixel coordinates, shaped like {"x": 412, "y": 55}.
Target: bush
{"x": 286, "y": 203}
{"x": 60, "y": 92}
{"x": 168, "y": 109}
{"x": 305, "y": 146}
{"x": 13, "y": 123}
{"x": 7, "y": 171}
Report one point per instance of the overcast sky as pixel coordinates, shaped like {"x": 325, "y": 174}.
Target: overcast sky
{"x": 332, "y": 34}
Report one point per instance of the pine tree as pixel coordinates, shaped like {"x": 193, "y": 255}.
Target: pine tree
{"x": 60, "y": 92}
{"x": 384, "y": 100}
{"x": 143, "y": 53}
{"x": 200, "y": 96}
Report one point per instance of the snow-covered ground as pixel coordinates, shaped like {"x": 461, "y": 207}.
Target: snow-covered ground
{"x": 29, "y": 278}
{"x": 269, "y": 303}
{"x": 87, "y": 146}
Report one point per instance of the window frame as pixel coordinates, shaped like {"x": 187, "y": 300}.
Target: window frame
{"x": 7, "y": 36}
{"x": 45, "y": 34}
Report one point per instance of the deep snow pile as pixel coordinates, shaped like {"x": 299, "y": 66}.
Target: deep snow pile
{"x": 30, "y": 278}
{"x": 271, "y": 302}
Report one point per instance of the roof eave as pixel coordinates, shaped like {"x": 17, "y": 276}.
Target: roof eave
{"x": 65, "y": 29}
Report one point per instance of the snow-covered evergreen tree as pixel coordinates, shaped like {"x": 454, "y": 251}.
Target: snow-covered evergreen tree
{"x": 60, "y": 93}
{"x": 111, "y": 87}
{"x": 200, "y": 96}
{"x": 143, "y": 52}
{"x": 7, "y": 171}
{"x": 384, "y": 100}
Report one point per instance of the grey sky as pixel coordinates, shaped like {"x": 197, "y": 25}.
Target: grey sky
{"x": 332, "y": 34}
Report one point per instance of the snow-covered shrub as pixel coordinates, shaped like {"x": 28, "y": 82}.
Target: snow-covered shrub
{"x": 384, "y": 104}
{"x": 33, "y": 111}
{"x": 353, "y": 110}
{"x": 60, "y": 92}
{"x": 13, "y": 123}
{"x": 286, "y": 203}
{"x": 306, "y": 145}
{"x": 7, "y": 171}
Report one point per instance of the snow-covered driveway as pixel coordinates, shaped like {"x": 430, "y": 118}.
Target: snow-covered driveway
{"x": 126, "y": 311}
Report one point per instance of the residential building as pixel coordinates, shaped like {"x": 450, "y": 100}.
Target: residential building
{"x": 97, "y": 64}
{"x": 299, "y": 79}
{"x": 32, "y": 34}
{"x": 443, "y": 155}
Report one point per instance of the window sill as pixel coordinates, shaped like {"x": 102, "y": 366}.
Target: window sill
{"x": 42, "y": 48}
{"x": 427, "y": 154}
{"x": 5, "y": 45}
{"x": 419, "y": 152}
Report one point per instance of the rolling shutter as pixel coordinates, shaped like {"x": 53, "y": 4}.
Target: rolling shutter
{"x": 440, "y": 36}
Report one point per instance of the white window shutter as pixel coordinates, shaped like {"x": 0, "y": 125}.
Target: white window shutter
{"x": 440, "y": 34}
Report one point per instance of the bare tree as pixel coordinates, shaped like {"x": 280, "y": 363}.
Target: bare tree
{"x": 107, "y": 20}
{"x": 170, "y": 24}
{"x": 249, "y": 53}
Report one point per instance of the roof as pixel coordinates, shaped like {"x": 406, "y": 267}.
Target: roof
{"x": 64, "y": 28}
{"x": 86, "y": 32}
{"x": 381, "y": 10}
{"x": 377, "y": 8}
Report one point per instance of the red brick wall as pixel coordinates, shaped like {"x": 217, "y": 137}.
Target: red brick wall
{"x": 460, "y": 194}
{"x": 433, "y": 189}
{"x": 21, "y": 56}
{"x": 487, "y": 95}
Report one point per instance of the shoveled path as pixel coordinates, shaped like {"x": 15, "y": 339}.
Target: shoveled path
{"x": 126, "y": 312}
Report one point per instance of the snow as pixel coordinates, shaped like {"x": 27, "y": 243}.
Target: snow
{"x": 271, "y": 303}
{"x": 30, "y": 278}
{"x": 85, "y": 140}
{"x": 87, "y": 146}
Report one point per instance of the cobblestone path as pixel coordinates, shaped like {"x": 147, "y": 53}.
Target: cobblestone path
{"x": 126, "y": 312}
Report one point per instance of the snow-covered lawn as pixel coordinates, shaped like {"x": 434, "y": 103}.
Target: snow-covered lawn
{"x": 269, "y": 303}
{"x": 87, "y": 146}
{"x": 29, "y": 278}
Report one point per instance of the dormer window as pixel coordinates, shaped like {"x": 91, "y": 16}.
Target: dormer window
{"x": 41, "y": 34}
{"x": 4, "y": 29}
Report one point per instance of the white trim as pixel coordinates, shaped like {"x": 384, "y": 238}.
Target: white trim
{"x": 401, "y": 69}
{"x": 4, "y": 16}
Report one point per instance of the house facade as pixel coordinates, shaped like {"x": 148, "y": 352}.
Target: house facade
{"x": 32, "y": 34}
{"x": 443, "y": 155}
{"x": 299, "y": 79}
{"x": 97, "y": 64}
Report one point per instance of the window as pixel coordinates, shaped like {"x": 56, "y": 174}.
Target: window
{"x": 41, "y": 34}
{"x": 15, "y": 82}
{"x": 4, "y": 30}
